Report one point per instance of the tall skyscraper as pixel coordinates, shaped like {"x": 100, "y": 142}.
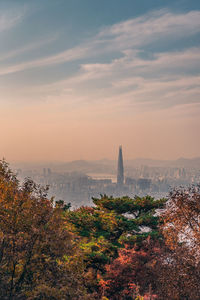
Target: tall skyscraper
{"x": 120, "y": 169}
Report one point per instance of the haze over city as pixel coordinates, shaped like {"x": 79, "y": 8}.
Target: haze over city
{"x": 79, "y": 78}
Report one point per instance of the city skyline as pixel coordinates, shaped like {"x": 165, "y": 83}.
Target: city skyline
{"x": 79, "y": 181}
{"x": 78, "y": 78}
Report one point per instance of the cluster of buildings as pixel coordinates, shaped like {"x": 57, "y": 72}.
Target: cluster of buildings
{"x": 78, "y": 188}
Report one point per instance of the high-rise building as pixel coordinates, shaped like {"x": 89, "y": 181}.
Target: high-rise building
{"x": 120, "y": 169}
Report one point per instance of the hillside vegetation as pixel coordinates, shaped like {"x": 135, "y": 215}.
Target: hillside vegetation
{"x": 120, "y": 248}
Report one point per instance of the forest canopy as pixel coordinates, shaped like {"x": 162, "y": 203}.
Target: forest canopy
{"x": 119, "y": 248}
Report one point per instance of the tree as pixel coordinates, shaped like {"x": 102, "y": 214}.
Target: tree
{"x": 179, "y": 264}
{"x": 132, "y": 273}
{"x": 118, "y": 220}
{"x": 109, "y": 225}
{"x": 178, "y": 274}
{"x": 135, "y": 219}
{"x": 182, "y": 219}
{"x": 35, "y": 247}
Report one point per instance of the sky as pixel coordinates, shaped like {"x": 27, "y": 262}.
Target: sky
{"x": 78, "y": 78}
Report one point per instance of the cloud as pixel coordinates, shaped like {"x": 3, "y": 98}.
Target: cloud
{"x": 68, "y": 55}
{"x": 122, "y": 71}
{"x": 132, "y": 34}
{"x": 130, "y": 83}
{"x": 9, "y": 19}
{"x": 32, "y": 46}
{"x": 152, "y": 26}
{"x": 162, "y": 64}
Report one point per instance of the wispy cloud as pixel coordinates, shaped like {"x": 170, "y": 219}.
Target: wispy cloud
{"x": 66, "y": 56}
{"x": 9, "y": 19}
{"x": 128, "y": 85}
{"x": 131, "y": 34}
{"x": 138, "y": 80}
{"x": 130, "y": 82}
{"x": 152, "y": 26}
{"x": 32, "y": 46}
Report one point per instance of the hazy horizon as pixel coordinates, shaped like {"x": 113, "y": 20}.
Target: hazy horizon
{"x": 46, "y": 162}
{"x": 79, "y": 78}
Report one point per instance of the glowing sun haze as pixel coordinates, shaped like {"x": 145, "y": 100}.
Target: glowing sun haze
{"x": 78, "y": 78}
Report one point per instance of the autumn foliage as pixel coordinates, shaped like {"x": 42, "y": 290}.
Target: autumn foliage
{"x": 121, "y": 248}
{"x": 182, "y": 219}
{"x": 33, "y": 244}
{"x": 132, "y": 273}
{"x": 179, "y": 266}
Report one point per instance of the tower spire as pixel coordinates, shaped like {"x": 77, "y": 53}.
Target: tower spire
{"x": 120, "y": 169}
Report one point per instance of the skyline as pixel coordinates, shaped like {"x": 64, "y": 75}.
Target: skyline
{"x": 78, "y": 79}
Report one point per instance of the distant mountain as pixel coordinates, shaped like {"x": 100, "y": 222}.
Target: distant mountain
{"x": 179, "y": 163}
{"x": 138, "y": 162}
{"x": 185, "y": 162}
{"x": 109, "y": 166}
{"x": 84, "y": 166}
